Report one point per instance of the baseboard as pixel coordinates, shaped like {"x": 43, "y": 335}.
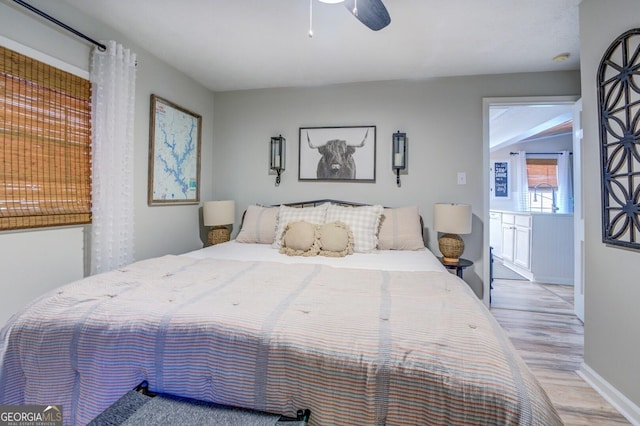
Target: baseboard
{"x": 521, "y": 271}
{"x": 620, "y": 402}
{"x": 553, "y": 280}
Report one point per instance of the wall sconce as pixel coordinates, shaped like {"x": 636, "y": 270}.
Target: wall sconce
{"x": 217, "y": 215}
{"x": 451, "y": 219}
{"x": 278, "y": 156}
{"x": 399, "y": 153}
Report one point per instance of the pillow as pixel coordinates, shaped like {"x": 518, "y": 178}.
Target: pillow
{"x": 300, "y": 239}
{"x": 287, "y": 214}
{"x": 258, "y": 225}
{"x": 335, "y": 239}
{"x": 363, "y": 222}
{"x": 401, "y": 229}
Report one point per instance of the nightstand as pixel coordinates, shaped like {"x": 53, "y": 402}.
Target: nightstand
{"x": 459, "y": 267}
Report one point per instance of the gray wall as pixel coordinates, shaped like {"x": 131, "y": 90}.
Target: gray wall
{"x": 612, "y": 286}
{"x": 442, "y": 119}
{"x": 32, "y": 262}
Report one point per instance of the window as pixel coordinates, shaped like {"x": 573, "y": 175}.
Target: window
{"x": 542, "y": 176}
{"x": 45, "y": 145}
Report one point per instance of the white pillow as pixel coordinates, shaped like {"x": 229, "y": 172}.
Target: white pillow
{"x": 401, "y": 229}
{"x": 315, "y": 215}
{"x": 258, "y": 225}
{"x": 363, "y": 222}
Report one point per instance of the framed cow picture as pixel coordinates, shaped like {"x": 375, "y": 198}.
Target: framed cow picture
{"x": 337, "y": 154}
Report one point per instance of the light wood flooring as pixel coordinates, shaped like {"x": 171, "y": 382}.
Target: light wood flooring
{"x": 539, "y": 320}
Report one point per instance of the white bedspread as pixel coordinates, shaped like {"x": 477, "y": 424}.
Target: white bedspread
{"x": 391, "y": 339}
{"x": 386, "y": 260}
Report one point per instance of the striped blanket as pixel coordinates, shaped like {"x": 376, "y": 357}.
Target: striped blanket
{"x": 357, "y": 347}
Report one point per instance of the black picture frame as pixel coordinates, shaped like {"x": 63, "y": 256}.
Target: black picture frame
{"x": 337, "y": 154}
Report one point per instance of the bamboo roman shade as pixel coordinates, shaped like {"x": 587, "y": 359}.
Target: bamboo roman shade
{"x": 542, "y": 170}
{"x": 45, "y": 144}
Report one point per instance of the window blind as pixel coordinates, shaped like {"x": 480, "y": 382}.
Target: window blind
{"x": 542, "y": 170}
{"x": 45, "y": 151}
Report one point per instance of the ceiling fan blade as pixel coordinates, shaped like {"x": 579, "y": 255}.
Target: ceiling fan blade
{"x": 372, "y": 13}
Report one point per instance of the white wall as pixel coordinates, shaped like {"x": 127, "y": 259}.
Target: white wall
{"x": 612, "y": 284}
{"x": 551, "y": 144}
{"x": 33, "y": 262}
{"x": 442, "y": 119}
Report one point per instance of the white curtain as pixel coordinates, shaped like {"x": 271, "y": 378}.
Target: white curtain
{"x": 113, "y": 74}
{"x": 565, "y": 184}
{"x": 522, "y": 181}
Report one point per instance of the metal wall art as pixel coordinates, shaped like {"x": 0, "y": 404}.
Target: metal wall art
{"x": 619, "y": 107}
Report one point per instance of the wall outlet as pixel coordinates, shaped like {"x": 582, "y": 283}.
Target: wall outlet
{"x": 462, "y": 178}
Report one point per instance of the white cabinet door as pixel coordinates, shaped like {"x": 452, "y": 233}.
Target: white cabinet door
{"x": 508, "y": 240}
{"x": 522, "y": 250}
{"x": 495, "y": 233}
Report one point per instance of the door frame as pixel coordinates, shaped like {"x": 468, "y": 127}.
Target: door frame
{"x": 486, "y": 103}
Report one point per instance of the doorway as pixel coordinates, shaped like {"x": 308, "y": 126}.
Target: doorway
{"x": 531, "y": 222}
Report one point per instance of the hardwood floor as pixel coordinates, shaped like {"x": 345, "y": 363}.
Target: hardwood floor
{"x": 539, "y": 320}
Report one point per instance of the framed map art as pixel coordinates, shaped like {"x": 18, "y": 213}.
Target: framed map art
{"x": 174, "y": 154}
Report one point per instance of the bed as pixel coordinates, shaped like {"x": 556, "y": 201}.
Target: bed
{"x": 379, "y": 336}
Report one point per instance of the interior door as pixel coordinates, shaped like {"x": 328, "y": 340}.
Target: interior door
{"x": 578, "y": 213}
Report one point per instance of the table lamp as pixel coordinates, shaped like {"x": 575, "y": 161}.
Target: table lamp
{"x": 217, "y": 215}
{"x": 451, "y": 219}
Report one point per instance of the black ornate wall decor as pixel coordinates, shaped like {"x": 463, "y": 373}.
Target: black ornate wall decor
{"x": 619, "y": 105}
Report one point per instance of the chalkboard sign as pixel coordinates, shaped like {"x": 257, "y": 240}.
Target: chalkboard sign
{"x": 501, "y": 179}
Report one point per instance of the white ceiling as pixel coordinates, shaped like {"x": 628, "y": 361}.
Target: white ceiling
{"x": 514, "y": 123}
{"x": 243, "y": 44}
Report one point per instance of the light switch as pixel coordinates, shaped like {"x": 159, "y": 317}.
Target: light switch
{"x": 462, "y": 178}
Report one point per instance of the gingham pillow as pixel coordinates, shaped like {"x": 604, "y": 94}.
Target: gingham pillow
{"x": 315, "y": 215}
{"x": 363, "y": 222}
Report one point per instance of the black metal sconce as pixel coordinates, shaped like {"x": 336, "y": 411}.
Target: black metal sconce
{"x": 278, "y": 156}
{"x": 399, "y": 154}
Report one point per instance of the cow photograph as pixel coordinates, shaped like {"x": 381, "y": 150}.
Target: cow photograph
{"x": 337, "y": 154}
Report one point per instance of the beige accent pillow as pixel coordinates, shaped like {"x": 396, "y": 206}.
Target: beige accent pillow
{"x": 335, "y": 239}
{"x": 315, "y": 215}
{"x": 400, "y": 229}
{"x": 300, "y": 238}
{"x": 259, "y": 225}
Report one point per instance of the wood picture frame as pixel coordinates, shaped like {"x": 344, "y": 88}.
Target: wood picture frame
{"x": 337, "y": 154}
{"x": 174, "y": 154}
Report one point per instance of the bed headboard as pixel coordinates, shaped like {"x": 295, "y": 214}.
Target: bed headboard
{"x": 314, "y": 203}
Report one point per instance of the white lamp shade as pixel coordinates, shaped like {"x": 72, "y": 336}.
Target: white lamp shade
{"x": 218, "y": 213}
{"x": 452, "y": 218}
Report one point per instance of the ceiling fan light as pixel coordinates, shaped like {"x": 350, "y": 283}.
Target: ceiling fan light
{"x": 561, "y": 57}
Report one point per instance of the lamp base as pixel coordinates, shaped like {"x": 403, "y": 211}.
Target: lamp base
{"x": 451, "y": 246}
{"x": 219, "y": 234}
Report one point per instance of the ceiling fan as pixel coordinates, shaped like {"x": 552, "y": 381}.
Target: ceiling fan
{"x": 371, "y": 13}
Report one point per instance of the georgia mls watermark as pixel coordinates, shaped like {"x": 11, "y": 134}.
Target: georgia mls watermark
{"x": 30, "y": 415}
